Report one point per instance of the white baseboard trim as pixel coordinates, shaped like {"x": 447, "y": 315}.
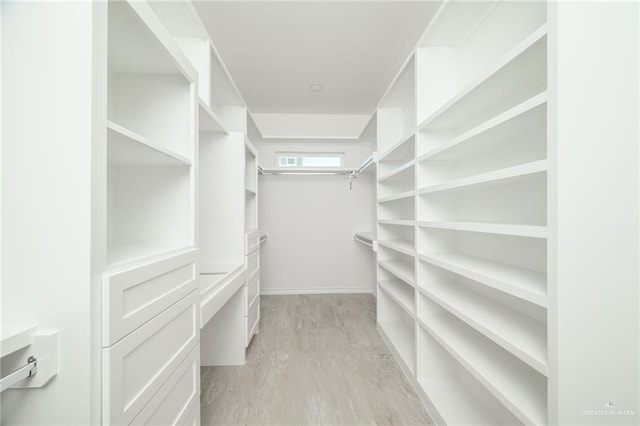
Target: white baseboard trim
{"x": 294, "y": 291}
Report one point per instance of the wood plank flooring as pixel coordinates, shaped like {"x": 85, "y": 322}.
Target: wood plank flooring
{"x": 318, "y": 359}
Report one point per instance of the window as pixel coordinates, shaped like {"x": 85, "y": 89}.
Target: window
{"x": 309, "y": 160}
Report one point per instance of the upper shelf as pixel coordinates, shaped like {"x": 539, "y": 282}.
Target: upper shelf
{"x": 126, "y": 148}
{"x": 522, "y": 118}
{"x": 524, "y": 68}
{"x": 209, "y": 120}
{"x": 139, "y": 43}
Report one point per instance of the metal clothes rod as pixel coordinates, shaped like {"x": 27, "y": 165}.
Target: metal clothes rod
{"x": 365, "y": 165}
{"x": 353, "y": 174}
{"x": 24, "y": 372}
{"x": 305, "y": 172}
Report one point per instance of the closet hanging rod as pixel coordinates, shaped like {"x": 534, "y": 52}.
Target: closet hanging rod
{"x": 22, "y": 373}
{"x": 305, "y": 172}
{"x": 365, "y": 165}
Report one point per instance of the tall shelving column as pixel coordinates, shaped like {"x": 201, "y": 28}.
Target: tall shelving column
{"x": 252, "y": 240}
{"x": 464, "y": 168}
{"x": 225, "y": 202}
{"x": 396, "y": 212}
{"x": 149, "y": 287}
{"x": 482, "y": 213}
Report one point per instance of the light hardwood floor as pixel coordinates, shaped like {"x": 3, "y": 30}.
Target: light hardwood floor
{"x": 318, "y": 359}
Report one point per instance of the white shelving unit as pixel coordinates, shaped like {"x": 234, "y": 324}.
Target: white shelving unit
{"x": 150, "y": 139}
{"x": 462, "y": 214}
{"x": 227, "y": 189}
{"x": 149, "y": 293}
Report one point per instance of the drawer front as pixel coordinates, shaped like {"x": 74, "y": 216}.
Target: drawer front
{"x": 253, "y": 290}
{"x": 178, "y": 400}
{"x": 135, "y": 368}
{"x": 253, "y": 264}
{"x": 132, "y": 297}
{"x": 252, "y": 320}
{"x": 252, "y": 242}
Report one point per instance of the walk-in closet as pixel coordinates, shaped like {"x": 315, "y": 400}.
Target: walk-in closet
{"x": 341, "y": 212}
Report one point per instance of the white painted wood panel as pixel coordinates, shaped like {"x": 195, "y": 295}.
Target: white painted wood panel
{"x": 252, "y": 241}
{"x": 253, "y": 264}
{"x": 253, "y": 319}
{"x": 253, "y": 289}
{"x": 131, "y": 297}
{"x": 178, "y": 400}
{"x": 135, "y": 368}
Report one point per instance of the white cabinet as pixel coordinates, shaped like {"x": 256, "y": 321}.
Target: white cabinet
{"x": 150, "y": 297}
{"x": 177, "y": 401}
{"x": 252, "y": 293}
{"x": 133, "y": 296}
{"x": 136, "y": 367}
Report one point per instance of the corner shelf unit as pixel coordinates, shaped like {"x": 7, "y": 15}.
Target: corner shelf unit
{"x": 462, "y": 214}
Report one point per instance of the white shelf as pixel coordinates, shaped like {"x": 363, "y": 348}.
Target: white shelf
{"x": 402, "y": 246}
{"x": 401, "y": 269}
{"x": 139, "y": 42}
{"x": 130, "y": 255}
{"x": 531, "y": 231}
{"x": 402, "y": 341}
{"x": 456, "y": 404}
{"x": 251, "y": 191}
{"x": 209, "y": 120}
{"x": 397, "y": 172}
{"x": 526, "y": 63}
{"x": 525, "y": 284}
{"x": 401, "y": 292}
{"x": 399, "y": 150}
{"x": 395, "y": 197}
{"x": 527, "y": 115}
{"x": 507, "y": 175}
{"x": 522, "y": 336}
{"x": 126, "y": 148}
{"x": 400, "y": 222}
{"x": 521, "y": 389}
{"x": 15, "y": 338}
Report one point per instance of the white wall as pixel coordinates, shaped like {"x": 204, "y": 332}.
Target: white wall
{"x": 310, "y": 221}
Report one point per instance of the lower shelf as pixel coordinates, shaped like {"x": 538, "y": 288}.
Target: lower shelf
{"x": 399, "y": 329}
{"x": 521, "y": 389}
{"x": 453, "y": 396}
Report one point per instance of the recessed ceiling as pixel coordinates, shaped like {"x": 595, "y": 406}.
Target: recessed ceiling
{"x": 276, "y": 50}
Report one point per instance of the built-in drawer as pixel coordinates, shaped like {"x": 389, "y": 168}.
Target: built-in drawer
{"x": 253, "y": 264}
{"x": 132, "y": 296}
{"x": 253, "y": 319}
{"x": 252, "y": 242}
{"x": 178, "y": 400}
{"x": 253, "y": 289}
{"x": 135, "y": 368}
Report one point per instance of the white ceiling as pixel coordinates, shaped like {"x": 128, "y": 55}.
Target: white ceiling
{"x": 276, "y": 49}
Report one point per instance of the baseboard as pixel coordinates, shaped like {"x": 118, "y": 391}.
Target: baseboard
{"x": 294, "y": 291}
